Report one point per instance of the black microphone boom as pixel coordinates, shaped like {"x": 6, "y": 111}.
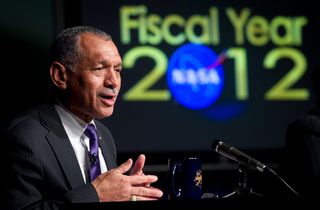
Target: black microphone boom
{"x": 238, "y": 156}
{"x": 244, "y": 159}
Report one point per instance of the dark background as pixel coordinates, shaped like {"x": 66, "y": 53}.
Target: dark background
{"x": 161, "y": 130}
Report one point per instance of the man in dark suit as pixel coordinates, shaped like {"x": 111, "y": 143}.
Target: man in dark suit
{"x": 47, "y": 157}
{"x": 301, "y": 162}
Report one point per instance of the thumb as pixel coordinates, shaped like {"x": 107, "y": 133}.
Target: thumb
{"x": 124, "y": 167}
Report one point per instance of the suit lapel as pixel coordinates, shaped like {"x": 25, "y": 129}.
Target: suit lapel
{"x": 106, "y": 146}
{"x": 105, "y": 150}
{"x": 61, "y": 146}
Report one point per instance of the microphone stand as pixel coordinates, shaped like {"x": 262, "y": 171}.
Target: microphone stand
{"x": 243, "y": 188}
{"x": 245, "y": 162}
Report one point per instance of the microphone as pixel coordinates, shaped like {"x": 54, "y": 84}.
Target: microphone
{"x": 244, "y": 159}
{"x": 92, "y": 158}
{"x": 238, "y": 156}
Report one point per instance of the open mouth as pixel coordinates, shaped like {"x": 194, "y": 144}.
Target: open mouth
{"x": 107, "y": 97}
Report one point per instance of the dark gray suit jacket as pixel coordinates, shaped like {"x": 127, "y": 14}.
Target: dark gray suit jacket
{"x": 301, "y": 159}
{"x": 41, "y": 167}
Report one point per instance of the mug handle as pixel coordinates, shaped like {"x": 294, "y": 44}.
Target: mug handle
{"x": 176, "y": 193}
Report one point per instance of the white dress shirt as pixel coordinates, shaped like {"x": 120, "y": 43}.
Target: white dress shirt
{"x": 75, "y": 128}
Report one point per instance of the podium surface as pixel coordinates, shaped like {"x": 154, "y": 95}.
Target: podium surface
{"x": 216, "y": 204}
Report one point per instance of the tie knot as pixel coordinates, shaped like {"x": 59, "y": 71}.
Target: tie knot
{"x": 91, "y": 131}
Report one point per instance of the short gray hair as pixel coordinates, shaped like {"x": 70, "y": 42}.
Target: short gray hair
{"x": 65, "y": 47}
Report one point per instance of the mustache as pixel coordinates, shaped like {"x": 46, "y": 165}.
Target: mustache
{"x": 112, "y": 90}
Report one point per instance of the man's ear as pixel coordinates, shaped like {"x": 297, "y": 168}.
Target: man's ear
{"x": 58, "y": 74}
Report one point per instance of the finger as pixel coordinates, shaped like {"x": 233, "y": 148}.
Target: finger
{"x": 142, "y": 180}
{"x": 145, "y": 198}
{"x": 148, "y": 192}
{"x": 137, "y": 169}
{"x": 124, "y": 167}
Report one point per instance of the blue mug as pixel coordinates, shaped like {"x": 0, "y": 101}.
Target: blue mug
{"x": 185, "y": 178}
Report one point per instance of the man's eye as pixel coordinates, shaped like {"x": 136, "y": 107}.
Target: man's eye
{"x": 118, "y": 69}
{"x": 99, "y": 69}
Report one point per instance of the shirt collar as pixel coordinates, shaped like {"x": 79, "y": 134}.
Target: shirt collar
{"x": 73, "y": 125}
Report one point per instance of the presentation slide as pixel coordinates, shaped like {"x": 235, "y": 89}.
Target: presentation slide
{"x": 195, "y": 71}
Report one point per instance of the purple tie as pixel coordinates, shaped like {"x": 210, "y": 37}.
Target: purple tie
{"x": 94, "y": 170}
